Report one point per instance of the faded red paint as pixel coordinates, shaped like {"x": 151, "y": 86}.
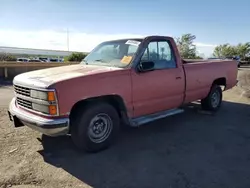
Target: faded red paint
{"x": 112, "y": 82}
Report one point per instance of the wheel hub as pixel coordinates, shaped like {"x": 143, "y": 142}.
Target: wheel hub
{"x": 215, "y": 99}
{"x": 100, "y": 128}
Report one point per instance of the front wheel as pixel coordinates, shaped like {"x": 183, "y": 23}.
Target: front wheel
{"x": 213, "y": 101}
{"x": 96, "y": 127}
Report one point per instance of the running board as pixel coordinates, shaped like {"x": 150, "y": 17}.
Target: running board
{"x": 136, "y": 122}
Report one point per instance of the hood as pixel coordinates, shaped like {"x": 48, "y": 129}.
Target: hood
{"x": 46, "y": 77}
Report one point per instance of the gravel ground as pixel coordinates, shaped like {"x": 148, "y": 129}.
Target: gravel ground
{"x": 190, "y": 150}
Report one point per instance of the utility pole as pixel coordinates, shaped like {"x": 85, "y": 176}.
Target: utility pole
{"x": 68, "y": 40}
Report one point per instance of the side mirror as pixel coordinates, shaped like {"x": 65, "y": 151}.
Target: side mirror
{"x": 145, "y": 66}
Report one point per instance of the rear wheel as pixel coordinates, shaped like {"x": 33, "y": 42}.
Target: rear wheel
{"x": 96, "y": 127}
{"x": 213, "y": 101}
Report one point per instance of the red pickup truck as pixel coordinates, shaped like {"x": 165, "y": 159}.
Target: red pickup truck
{"x": 121, "y": 82}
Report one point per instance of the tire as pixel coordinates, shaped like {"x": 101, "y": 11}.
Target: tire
{"x": 213, "y": 101}
{"x": 91, "y": 136}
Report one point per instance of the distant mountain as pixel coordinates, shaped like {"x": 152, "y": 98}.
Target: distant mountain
{"x": 30, "y": 51}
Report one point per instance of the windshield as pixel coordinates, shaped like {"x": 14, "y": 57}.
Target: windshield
{"x": 113, "y": 53}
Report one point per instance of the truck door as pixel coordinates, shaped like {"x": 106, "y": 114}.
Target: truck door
{"x": 160, "y": 89}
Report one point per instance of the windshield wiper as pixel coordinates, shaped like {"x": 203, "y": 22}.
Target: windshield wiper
{"x": 101, "y": 60}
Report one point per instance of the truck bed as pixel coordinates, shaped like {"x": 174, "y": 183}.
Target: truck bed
{"x": 201, "y": 73}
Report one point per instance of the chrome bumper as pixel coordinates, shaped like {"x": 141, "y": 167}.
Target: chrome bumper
{"x": 50, "y": 127}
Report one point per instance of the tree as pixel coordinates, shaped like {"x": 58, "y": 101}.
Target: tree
{"x": 227, "y": 50}
{"x": 198, "y": 57}
{"x": 243, "y": 50}
{"x": 76, "y": 56}
{"x": 7, "y": 57}
{"x": 186, "y": 47}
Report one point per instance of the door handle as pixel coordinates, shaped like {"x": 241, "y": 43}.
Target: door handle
{"x": 178, "y": 77}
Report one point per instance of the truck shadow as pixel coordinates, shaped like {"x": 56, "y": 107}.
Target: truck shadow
{"x": 193, "y": 149}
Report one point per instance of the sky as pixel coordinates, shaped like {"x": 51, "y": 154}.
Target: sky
{"x": 43, "y": 24}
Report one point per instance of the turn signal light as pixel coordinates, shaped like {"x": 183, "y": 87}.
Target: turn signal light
{"x": 51, "y": 96}
{"x": 52, "y": 110}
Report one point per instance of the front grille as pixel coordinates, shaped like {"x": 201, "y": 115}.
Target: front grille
{"x": 22, "y": 90}
{"x": 24, "y": 103}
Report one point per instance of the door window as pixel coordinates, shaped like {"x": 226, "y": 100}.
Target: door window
{"x": 161, "y": 54}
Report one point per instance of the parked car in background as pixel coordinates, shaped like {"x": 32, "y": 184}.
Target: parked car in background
{"x": 238, "y": 59}
{"x": 35, "y": 61}
{"x": 54, "y": 60}
{"x": 49, "y": 59}
{"x": 27, "y": 60}
{"x": 123, "y": 82}
{"x": 44, "y": 59}
{"x": 21, "y": 60}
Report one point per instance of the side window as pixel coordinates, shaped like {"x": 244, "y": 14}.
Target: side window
{"x": 153, "y": 51}
{"x": 161, "y": 54}
{"x": 164, "y": 51}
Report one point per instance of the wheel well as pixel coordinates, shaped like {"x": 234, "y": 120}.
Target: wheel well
{"x": 115, "y": 100}
{"x": 220, "y": 82}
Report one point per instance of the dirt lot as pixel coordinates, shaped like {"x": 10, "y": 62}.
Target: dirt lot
{"x": 191, "y": 150}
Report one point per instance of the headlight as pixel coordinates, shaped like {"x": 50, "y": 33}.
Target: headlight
{"x": 48, "y": 109}
{"x": 50, "y": 96}
{"x": 43, "y": 95}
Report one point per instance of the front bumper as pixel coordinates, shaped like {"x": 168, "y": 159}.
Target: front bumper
{"x": 50, "y": 127}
